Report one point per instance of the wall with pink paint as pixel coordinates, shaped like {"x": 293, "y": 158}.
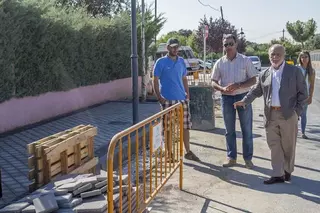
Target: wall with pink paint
{"x": 20, "y": 112}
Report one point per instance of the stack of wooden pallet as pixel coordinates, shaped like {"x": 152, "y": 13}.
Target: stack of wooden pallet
{"x": 67, "y": 152}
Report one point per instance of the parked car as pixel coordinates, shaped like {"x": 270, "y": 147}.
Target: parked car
{"x": 256, "y": 62}
{"x": 208, "y": 64}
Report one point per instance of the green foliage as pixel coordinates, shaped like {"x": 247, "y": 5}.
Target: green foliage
{"x": 217, "y": 28}
{"x": 46, "y": 47}
{"x": 301, "y": 31}
{"x": 313, "y": 43}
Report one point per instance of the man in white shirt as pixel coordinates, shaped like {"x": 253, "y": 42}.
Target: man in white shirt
{"x": 233, "y": 75}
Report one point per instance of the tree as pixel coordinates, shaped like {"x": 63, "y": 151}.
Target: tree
{"x": 98, "y": 7}
{"x": 217, "y": 28}
{"x": 292, "y": 49}
{"x": 313, "y": 43}
{"x": 301, "y": 31}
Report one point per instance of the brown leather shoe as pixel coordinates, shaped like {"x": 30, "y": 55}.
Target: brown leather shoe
{"x": 274, "y": 180}
{"x": 249, "y": 164}
{"x": 230, "y": 163}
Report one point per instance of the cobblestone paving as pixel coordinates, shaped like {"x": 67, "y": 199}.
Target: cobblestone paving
{"x": 110, "y": 118}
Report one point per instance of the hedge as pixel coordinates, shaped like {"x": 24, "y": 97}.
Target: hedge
{"x": 46, "y": 48}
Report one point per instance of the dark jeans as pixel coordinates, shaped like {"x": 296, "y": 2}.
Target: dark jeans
{"x": 245, "y": 117}
{"x": 304, "y": 119}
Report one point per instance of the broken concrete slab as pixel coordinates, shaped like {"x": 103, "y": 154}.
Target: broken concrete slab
{"x": 63, "y": 199}
{"x": 46, "y": 204}
{"x": 59, "y": 192}
{"x": 95, "y": 205}
{"x": 81, "y": 176}
{"x": 71, "y": 186}
{"x": 64, "y": 181}
{"x": 90, "y": 193}
{"x": 93, "y": 180}
{"x": 84, "y": 188}
{"x": 73, "y": 203}
{"x": 101, "y": 184}
{"x": 29, "y": 209}
{"x": 15, "y": 207}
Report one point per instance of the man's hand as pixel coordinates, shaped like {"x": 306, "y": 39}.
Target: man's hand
{"x": 187, "y": 96}
{"x": 309, "y": 100}
{"x": 239, "y": 104}
{"x": 232, "y": 87}
{"x": 161, "y": 100}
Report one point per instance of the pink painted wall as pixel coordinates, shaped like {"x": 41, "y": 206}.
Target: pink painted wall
{"x": 20, "y": 112}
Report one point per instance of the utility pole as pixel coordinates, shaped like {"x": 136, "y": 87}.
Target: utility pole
{"x": 205, "y": 36}
{"x": 155, "y": 17}
{"x": 134, "y": 63}
{"x": 283, "y": 34}
{"x": 144, "y": 72}
{"x": 221, "y": 11}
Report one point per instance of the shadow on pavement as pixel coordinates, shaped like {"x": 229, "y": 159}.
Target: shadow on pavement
{"x": 222, "y": 131}
{"x": 299, "y": 186}
{"x": 208, "y": 200}
{"x": 258, "y": 157}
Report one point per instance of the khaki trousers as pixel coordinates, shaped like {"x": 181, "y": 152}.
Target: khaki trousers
{"x": 281, "y": 138}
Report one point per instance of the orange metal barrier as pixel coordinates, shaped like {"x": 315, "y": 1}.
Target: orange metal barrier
{"x": 164, "y": 145}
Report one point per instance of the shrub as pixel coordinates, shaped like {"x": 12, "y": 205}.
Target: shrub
{"x": 45, "y": 47}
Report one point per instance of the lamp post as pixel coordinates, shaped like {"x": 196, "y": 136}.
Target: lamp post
{"x": 134, "y": 63}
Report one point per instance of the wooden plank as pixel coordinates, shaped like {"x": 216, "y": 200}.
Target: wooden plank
{"x": 70, "y": 151}
{"x": 64, "y": 163}
{"x": 31, "y": 146}
{"x": 86, "y": 167}
{"x": 57, "y": 139}
{"x": 56, "y": 168}
{"x": 70, "y": 142}
{"x": 31, "y": 174}
{"x": 77, "y": 155}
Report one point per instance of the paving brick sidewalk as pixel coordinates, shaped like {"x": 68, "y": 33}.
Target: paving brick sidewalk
{"x": 110, "y": 118}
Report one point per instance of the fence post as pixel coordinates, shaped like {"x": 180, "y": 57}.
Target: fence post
{"x": 110, "y": 180}
{"x": 181, "y": 146}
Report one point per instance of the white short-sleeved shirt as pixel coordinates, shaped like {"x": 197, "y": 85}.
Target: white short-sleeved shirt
{"x": 238, "y": 70}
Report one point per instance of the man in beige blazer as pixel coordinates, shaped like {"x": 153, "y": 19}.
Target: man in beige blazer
{"x": 285, "y": 92}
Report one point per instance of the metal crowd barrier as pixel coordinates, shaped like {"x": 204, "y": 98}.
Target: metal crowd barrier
{"x": 161, "y": 138}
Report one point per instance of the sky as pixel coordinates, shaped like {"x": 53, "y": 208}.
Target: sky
{"x": 261, "y": 20}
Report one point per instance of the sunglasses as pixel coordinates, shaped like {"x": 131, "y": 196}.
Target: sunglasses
{"x": 230, "y": 44}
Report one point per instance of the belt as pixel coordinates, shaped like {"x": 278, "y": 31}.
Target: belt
{"x": 275, "y": 107}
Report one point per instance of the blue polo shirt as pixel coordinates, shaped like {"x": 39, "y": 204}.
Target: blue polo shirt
{"x": 170, "y": 74}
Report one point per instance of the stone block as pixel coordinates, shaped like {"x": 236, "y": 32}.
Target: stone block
{"x": 104, "y": 189}
{"x": 65, "y": 211}
{"x": 93, "y": 205}
{"x": 63, "y": 182}
{"x": 82, "y": 176}
{"x": 64, "y": 199}
{"x": 46, "y": 204}
{"x": 29, "y": 209}
{"x": 84, "y": 188}
{"x": 91, "y": 193}
{"x": 15, "y": 207}
{"x": 93, "y": 180}
{"x": 101, "y": 184}
{"x": 71, "y": 186}
{"x": 73, "y": 203}
{"x": 59, "y": 192}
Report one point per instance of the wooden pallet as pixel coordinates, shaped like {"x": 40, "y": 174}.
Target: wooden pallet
{"x": 67, "y": 152}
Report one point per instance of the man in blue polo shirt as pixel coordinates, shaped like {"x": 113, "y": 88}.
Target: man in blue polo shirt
{"x": 171, "y": 87}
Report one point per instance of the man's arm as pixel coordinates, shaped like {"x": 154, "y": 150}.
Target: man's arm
{"x": 156, "y": 86}
{"x": 157, "y": 71}
{"x": 186, "y": 86}
{"x": 251, "y": 77}
{"x": 254, "y": 93}
{"x": 215, "y": 77}
{"x": 302, "y": 92}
